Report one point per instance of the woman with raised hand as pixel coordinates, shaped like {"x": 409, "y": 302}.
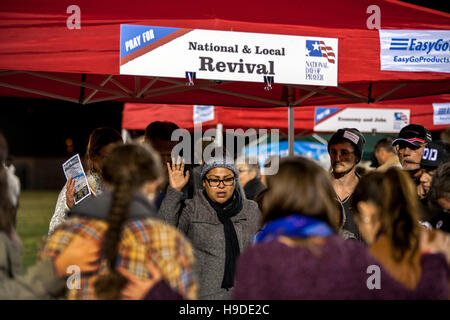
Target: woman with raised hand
{"x": 124, "y": 218}
{"x": 99, "y": 145}
{"x": 219, "y": 222}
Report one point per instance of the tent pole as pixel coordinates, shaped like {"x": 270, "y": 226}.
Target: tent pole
{"x": 38, "y": 92}
{"x": 291, "y": 98}
{"x": 291, "y": 130}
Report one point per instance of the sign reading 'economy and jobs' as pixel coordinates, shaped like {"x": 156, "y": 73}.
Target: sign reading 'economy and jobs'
{"x": 227, "y": 55}
{"x": 363, "y": 119}
{"x": 415, "y": 50}
{"x": 441, "y": 113}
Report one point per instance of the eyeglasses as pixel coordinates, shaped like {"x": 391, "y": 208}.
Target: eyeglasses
{"x": 216, "y": 182}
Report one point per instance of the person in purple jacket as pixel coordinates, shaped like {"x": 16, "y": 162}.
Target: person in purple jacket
{"x": 299, "y": 255}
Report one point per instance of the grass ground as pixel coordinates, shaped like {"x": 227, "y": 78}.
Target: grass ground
{"x": 35, "y": 210}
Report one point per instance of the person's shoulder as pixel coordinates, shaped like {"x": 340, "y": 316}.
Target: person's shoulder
{"x": 257, "y": 253}
{"x": 145, "y": 228}
{"x": 347, "y": 249}
{"x": 250, "y": 204}
{"x": 77, "y": 226}
{"x": 251, "y": 208}
{"x": 4, "y": 236}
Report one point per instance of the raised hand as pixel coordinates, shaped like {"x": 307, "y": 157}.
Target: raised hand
{"x": 177, "y": 178}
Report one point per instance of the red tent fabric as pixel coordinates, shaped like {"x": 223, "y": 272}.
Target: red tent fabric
{"x": 136, "y": 116}
{"x": 41, "y": 57}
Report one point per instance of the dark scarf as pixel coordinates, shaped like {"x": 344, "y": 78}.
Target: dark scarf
{"x": 225, "y": 211}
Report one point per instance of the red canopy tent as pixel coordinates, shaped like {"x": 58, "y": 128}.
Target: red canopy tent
{"x": 136, "y": 116}
{"x": 41, "y": 57}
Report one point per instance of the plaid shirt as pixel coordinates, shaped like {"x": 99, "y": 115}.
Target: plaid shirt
{"x": 170, "y": 250}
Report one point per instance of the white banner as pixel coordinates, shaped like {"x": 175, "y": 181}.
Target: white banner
{"x": 441, "y": 113}
{"x": 415, "y": 50}
{"x": 227, "y": 55}
{"x": 364, "y": 119}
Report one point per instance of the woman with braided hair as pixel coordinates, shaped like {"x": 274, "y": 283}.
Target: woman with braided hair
{"x": 135, "y": 244}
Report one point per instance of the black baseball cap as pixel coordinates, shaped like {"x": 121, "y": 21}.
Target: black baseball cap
{"x": 351, "y": 135}
{"x": 414, "y": 134}
{"x": 435, "y": 154}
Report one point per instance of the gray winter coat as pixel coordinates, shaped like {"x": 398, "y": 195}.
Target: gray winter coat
{"x": 200, "y": 223}
{"x": 40, "y": 282}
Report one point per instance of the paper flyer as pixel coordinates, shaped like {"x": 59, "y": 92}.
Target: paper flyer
{"x": 74, "y": 168}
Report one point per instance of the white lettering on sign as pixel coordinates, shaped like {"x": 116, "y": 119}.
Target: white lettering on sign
{"x": 148, "y": 35}
{"x": 133, "y": 43}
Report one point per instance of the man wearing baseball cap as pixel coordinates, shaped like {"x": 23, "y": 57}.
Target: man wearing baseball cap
{"x": 345, "y": 149}
{"x": 410, "y": 144}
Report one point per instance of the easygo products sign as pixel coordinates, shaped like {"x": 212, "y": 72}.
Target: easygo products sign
{"x": 415, "y": 50}
{"x": 227, "y": 55}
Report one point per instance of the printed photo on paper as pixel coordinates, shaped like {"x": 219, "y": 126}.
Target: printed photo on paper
{"x": 74, "y": 168}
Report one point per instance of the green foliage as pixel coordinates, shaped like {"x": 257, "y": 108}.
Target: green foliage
{"x": 35, "y": 211}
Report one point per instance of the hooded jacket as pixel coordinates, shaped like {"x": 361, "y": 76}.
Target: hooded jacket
{"x": 40, "y": 282}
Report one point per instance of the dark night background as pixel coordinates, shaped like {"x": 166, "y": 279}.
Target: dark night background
{"x": 40, "y": 128}
{"x": 42, "y": 134}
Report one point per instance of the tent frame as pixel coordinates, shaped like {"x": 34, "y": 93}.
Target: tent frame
{"x": 177, "y": 86}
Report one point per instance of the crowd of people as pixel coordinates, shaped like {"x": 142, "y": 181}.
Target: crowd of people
{"x": 158, "y": 228}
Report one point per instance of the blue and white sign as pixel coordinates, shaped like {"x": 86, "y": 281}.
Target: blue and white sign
{"x": 415, "y": 50}
{"x": 323, "y": 113}
{"x": 228, "y": 55}
{"x": 203, "y": 113}
{"x": 441, "y": 113}
{"x": 368, "y": 120}
{"x": 313, "y": 150}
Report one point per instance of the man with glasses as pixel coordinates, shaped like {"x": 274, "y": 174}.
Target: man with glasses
{"x": 345, "y": 149}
